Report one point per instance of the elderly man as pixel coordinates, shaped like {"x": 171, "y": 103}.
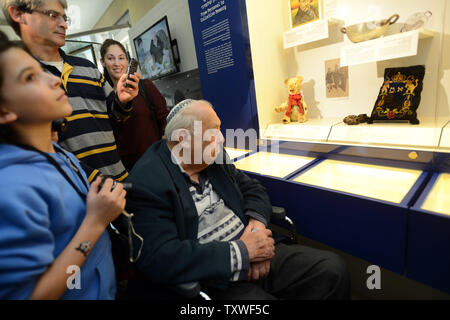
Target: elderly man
{"x": 204, "y": 221}
{"x": 42, "y": 25}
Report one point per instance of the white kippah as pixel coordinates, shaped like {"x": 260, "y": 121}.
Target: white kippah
{"x": 180, "y": 106}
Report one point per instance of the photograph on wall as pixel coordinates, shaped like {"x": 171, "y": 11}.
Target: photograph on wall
{"x": 304, "y": 11}
{"x": 336, "y": 79}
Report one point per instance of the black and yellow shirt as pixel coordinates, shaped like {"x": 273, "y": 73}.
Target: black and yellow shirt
{"x": 89, "y": 133}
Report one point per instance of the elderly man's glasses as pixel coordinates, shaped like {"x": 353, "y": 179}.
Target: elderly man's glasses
{"x": 53, "y": 15}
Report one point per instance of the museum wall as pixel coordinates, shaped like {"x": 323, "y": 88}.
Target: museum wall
{"x": 137, "y": 9}
{"x": 9, "y": 32}
{"x": 178, "y": 16}
{"x": 270, "y": 66}
{"x": 443, "y": 105}
{"x": 272, "y": 63}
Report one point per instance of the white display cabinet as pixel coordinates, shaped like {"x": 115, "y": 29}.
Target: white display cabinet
{"x": 273, "y": 63}
{"x": 376, "y": 191}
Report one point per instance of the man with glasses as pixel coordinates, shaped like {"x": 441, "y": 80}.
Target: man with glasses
{"x": 42, "y": 25}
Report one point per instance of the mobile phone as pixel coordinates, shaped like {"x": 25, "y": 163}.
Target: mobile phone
{"x": 126, "y": 185}
{"x": 59, "y": 125}
{"x": 132, "y": 68}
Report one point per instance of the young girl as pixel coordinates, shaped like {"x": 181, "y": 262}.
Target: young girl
{"x": 144, "y": 127}
{"x": 51, "y": 223}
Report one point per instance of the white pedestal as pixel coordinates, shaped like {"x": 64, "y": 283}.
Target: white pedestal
{"x": 312, "y": 130}
{"x": 426, "y": 134}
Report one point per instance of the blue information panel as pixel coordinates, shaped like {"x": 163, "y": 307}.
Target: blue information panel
{"x": 224, "y": 60}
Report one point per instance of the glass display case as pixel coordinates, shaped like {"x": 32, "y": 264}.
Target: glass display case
{"x": 366, "y": 63}
{"x": 438, "y": 199}
{"x": 394, "y": 166}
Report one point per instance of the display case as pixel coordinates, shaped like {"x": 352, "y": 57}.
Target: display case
{"x": 428, "y": 233}
{"x": 366, "y": 62}
{"x": 377, "y": 191}
{"x": 356, "y": 204}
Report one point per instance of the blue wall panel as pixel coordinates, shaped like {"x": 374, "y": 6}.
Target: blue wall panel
{"x": 219, "y": 24}
{"x": 429, "y": 243}
{"x": 429, "y": 249}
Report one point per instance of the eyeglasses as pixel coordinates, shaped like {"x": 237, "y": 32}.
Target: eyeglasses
{"x": 53, "y": 15}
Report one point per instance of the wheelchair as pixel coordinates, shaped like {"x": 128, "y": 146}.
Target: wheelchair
{"x": 193, "y": 290}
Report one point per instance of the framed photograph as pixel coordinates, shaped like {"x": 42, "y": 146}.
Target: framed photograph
{"x": 302, "y": 12}
{"x": 336, "y": 79}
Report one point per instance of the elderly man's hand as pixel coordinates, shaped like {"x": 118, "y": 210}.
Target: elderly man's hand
{"x": 259, "y": 270}
{"x": 259, "y": 243}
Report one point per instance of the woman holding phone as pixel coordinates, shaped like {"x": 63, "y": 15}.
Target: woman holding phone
{"x": 148, "y": 118}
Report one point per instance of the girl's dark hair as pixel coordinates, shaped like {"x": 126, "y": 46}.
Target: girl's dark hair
{"x": 5, "y": 45}
{"x": 104, "y": 49}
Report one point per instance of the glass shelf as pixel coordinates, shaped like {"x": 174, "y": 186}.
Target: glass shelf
{"x": 272, "y": 164}
{"x": 373, "y": 181}
{"x": 438, "y": 200}
{"x": 313, "y": 129}
{"x": 236, "y": 153}
{"x": 424, "y": 135}
{"x": 385, "y": 48}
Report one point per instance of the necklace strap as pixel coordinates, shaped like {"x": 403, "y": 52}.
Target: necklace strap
{"x": 82, "y": 195}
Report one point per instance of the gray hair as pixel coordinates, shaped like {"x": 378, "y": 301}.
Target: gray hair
{"x": 23, "y": 5}
{"x": 182, "y": 117}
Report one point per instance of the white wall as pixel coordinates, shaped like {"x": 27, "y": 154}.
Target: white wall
{"x": 266, "y": 23}
{"x": 9, "y": 32}
{"x": 179, "y": 20}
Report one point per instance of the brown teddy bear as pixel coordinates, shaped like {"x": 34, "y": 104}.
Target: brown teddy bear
{"x": 296, "y": 108}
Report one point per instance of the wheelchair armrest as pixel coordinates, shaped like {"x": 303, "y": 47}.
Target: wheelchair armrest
{"x": 278, "y": 213}
{"x": 188, "y": 290}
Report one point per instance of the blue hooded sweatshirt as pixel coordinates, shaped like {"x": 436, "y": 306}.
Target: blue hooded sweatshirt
{"x": 40, "y": 212}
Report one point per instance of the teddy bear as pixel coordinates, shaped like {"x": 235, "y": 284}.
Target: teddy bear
{"x": 296, "y": 108}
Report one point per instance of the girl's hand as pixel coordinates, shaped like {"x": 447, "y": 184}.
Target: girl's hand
{"x": 105, "y": 205}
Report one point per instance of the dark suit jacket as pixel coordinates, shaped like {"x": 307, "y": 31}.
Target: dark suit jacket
{"x": 167, "y": 219}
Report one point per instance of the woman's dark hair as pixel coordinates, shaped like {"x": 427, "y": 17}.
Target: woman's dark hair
{"x": 5, "y": 45}
{"x": 104, "y": 49}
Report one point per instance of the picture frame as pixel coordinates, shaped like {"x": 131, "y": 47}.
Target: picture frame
{"x": 337, "y": 84}
{"x": 302, "y": 12}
